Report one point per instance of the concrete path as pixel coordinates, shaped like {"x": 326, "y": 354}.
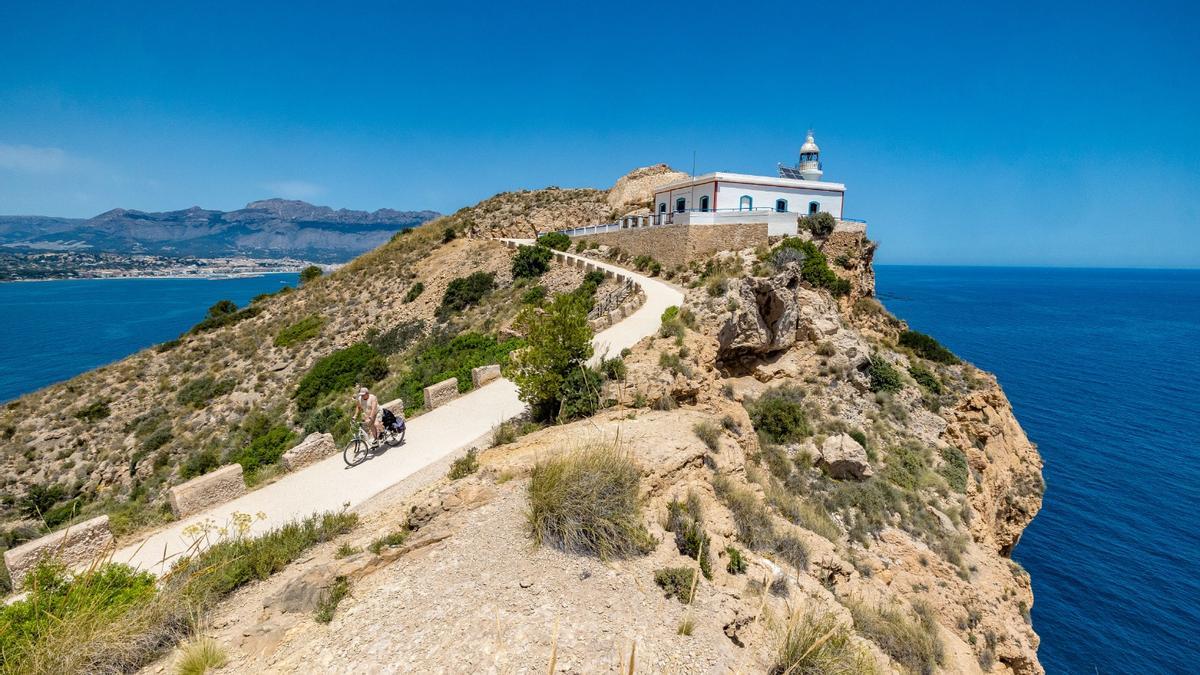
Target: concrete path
{"x": 329, "y": 485}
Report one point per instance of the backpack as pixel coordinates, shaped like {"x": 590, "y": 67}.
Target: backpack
{"x": 389, "y": 418}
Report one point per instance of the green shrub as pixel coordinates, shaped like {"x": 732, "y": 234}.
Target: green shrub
{"x": 463, "y": 292}
{"x": 265, "y": 449}
{"x": 925, "y": 378}
{"x": 614, "y": 368}
{"x": 437, "y": 359}
{"x": 676, "y": 582}
{"x": 594, "y": 277}
{"x": 559, "y": 343}
{"x": 687, "y": 522}
{"x": 646, "y": 263}
{"x": 815, "y": 268}
{"x": 94, "y": 411}
{"x": 912, "y": 641}
{"x": 531, "y": 262}
{"x": 906, "y": 466}
{"x": 339, "y": 589}
{"x": 779, "y": 416}
{"x": 709, "y": 434}
{"x": 954, "y": 468}
{"x": 305, "y": 329}
{"x": 670, "y": 313}
{"x": 389, "y": 540}
{"x": 555, "y": 240}
{"x": 534, "y": 296}
{"x": 753, "y": 522}
{"x": 197, "y": 392}
{"x": 224, "y": 313}
{"x": 397, "y": 338}
{"x": 87, "y": 602}
{"x": 157, "y": 438}
{"x": 414, "y": 292}
{"x": 199, "y": 463}
{"x": 587, "y": 502}
{"x": 737, "y": 562}
{"x": 465, "y": 465}
{"x": 927, "y": 347}
{"x": 820, "y": 644}
{"x": 358, "y": 363}
{"x": 820, "y": 224}
{"x": 883, "y": 375}
{"x": 449, "y": 235}
{"x": 310, "y": 273}
{"x": 579, "y": 395}
{"x": 324, "y": 420}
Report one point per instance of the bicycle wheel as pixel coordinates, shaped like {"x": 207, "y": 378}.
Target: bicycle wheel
{"x": 355, "y": 452}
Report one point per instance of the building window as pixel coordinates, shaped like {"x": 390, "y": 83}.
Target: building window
{"x": 746, "y": 203}
{"x": 704, "y": 202}
{"x": 662, "y": 207}
{"x": 813, "y": 207}
{"x": 781, "y": 205}
{"x": 680, "y": 205}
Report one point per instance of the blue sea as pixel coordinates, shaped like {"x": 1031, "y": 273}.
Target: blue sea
{"x": 1103, "y": 370}
{"x": 53, "y": 330}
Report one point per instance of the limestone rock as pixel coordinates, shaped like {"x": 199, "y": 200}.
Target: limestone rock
{"x": 843, "y": 458}
{"x": 635, "y": 190}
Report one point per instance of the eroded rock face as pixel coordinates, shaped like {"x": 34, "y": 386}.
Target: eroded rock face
{"x": 634, "y": 191}
{"x": 842, "y": 457}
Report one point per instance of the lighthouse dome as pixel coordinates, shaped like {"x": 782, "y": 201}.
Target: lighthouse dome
{"x": 810, "y": 145}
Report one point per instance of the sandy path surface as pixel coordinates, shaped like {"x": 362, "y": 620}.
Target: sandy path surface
{"x": 432, "y": 437}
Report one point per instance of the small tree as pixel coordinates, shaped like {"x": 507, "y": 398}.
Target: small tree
{"x": 559, "y": 342}
{"x": 531, "y": 262}
{"x": 820, "y": 224}
{"x": 309, "y": 273}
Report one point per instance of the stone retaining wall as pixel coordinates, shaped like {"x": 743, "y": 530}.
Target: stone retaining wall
{"x": 484, "y": 374}
{"x": 76, "y": 545}
{"x": 315, "y": 447}
{"x": 441, "y": 393}
{"x": 198, "y": 494}
{"x": 677, "y": 245}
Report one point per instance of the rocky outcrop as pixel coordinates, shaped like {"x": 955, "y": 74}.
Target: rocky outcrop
{"x": 843, "y": 458}
{"x": 634, "y": 192}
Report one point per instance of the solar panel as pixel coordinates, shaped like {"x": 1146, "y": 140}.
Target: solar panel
{"x": 789, "y": 172}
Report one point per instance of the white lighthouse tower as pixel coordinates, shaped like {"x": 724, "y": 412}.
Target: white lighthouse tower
{"x": 810, "y": 159}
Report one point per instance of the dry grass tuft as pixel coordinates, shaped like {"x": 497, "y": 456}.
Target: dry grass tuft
{"x": 200, "y": 656}
{"x": 911, "y": 640}
{"x": 587, "y": 502}
{"x": 820, "y": 644}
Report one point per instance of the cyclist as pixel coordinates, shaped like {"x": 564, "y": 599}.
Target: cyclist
{"x": 368, "y": 405}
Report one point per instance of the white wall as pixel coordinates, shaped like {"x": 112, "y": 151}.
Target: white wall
{"x": 692, "y": 195}
{"x": 729, "y": 197}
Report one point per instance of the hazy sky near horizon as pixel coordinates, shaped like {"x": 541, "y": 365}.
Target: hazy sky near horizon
{"x": 967, "y": 133}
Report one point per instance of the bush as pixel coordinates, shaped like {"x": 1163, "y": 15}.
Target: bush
{"x": 779, "y": 416}
{"x": 358, "y": 363}
{"x": 463, "y": 292}
{"x": 534, "y": 296}
{"x": 265, "y": 449}
{"x": 224, "y": 313}
{"x": 389, "y": 540}
{"x": 199, "y": 463}
{"x": 820, "y": 224}
{"x": 324, "y": 420}
{"x": 687, "y": 522}
{"x": 792, "y": 550}
{"x": 531, "y": 262}
{"x": 94, "y": 411}
{"x": 614, "y": 368}
{"x": 464, "y": 466}
{"x": 559, "y": 343}
{"x": 926, "y": 347}
{"x": 709, "y": 434}
{"x": 197, "y": 392}
{"x": 156, "y": 439}
{"x": 737, "y": 562}
{"x": 449, "y": 235}
{"x": 199, "y": 656}
{"x": 414, "y": 292}
{"x": 883, "y": 375}
{"x": 820, "y": 644}
{"x": 580, "y": 394}
{"x": 749, "y": 515}
{"x": 305, "y": 329}
{"x": 555, "y": 240}
{"x": 310, "y": 273}
{"x": 925, "y": 378}
{"x": 954, "y": 468}
{"x": 815, "y": 268}
{"x": 339, "y": 589}
{"x": 906, "y": 466}
{"x": 438, "y": 359}
{"x": 912, "y": 641}
{"x": 587, "y": 502}
{"x": 594, "y": 277}
{"x": 676, "y": 582}
{"x": 397, "y": 338}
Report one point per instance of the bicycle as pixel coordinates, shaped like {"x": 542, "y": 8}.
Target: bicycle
{"x": 360, "y": 446}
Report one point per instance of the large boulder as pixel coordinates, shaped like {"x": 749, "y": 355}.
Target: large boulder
{"x": 842, "y": 457}
{"x": 635, "y": 190}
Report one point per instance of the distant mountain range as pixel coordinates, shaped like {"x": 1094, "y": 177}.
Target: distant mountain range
{"x": 271, "y": 228}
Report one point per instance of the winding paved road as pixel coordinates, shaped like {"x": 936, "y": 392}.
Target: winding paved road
{"x": 329, "y": 485}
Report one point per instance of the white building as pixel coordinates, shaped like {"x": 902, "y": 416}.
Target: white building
{"x": 743, "y": 198}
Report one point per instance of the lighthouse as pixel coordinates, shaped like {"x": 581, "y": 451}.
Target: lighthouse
{"x": 810, "y": 159}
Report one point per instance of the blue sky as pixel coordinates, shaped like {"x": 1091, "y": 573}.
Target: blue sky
{"x": 1005, "y": 133}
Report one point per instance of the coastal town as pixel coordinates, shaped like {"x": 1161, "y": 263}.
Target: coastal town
{"x": 47, "y": 265}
